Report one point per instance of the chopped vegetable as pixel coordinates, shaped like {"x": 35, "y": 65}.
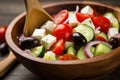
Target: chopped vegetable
{"x": 87, "y": 50}
{"x": 61, "y": 17}
{"x": 59, "y": 47}
{"x": 63, "y": 31}
{"x": 68, "y": 57}
{"x": 85, "y": 30}
{"x": 38, "y": 51}
{"x": 79, "y": 34}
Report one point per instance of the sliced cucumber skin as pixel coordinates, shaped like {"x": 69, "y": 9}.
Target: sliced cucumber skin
{"x": 86, "y": 31}
{"x": 38, "y": 51}
{"x": 71, "y": 50}
{"x": 80, "y": 54}
{"x": 114, "y": 25}
{"x": 101, "y": 49}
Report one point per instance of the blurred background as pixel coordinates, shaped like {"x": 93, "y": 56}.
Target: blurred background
{"x": 9, "y": 9}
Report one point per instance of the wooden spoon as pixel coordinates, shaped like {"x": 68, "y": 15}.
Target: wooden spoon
{"x": 36, "y": 16}
{"x": 7, "y": 63}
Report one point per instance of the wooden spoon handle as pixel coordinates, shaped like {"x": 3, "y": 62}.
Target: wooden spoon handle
{"x": 35, "y": 4}
{"x": 7, "y": 63}
{"x": 30, "y": 4}
{"x": 35, "y": 14}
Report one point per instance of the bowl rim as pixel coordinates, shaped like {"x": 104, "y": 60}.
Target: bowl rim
{"x": 20, "y": 52}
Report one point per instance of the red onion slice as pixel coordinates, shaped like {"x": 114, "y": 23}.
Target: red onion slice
{"x": 77, "y": 8}
{"x": 87, "y": 50}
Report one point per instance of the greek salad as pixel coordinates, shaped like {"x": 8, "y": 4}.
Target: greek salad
{"x": 73, "y": 35}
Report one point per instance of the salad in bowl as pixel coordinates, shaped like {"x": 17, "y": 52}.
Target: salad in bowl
{"x": 79, "y": 34}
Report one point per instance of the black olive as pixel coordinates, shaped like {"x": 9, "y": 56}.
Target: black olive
{"x": 114, "y": 42}
{"x": 79, "y": 39}
{"x": 4, "y": 49}
{"x": 29, "y": 42}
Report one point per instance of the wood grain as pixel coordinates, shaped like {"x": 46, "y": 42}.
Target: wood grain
{"x": 7, "y": 63}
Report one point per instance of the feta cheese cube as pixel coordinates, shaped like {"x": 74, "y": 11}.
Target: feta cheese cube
{"x": 87, "y": 10}
{"x": 49, "y": 55}
{"x": 39, "y": 33}
{"x": 112, "y": 32}
{"x": 73, "y": 20}
{"x": 48, "y": 41}
{"x": 49, "y": 26}
{"x": 89, "y": 22}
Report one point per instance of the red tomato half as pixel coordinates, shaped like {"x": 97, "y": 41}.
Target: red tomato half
{"x": 63, "y": 31}
{"x": 81, "y": 17}
{"x": 61, "y": 17}
{"x": 2, "y": 33}
{"x": 103, "y": 23}
{"x": 59, "y": 47}
{"x": 68, "y": 57}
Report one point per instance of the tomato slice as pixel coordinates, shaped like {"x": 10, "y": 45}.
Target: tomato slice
{"x": 81, "y": 17}
{"x": 59, "y": 47}
{"x": 61, "y": 17}
{"x": 100, "y": 38}
{"x": 68, "y": 57}
{"x": 63, "y": 31}
{"x": 102, "y": 22}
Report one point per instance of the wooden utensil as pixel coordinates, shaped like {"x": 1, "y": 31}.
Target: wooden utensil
{"x": 36, "y": 16}
{"x": 7, "y": 63}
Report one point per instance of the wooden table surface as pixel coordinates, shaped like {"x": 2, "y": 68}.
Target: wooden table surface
{"x": 9, "y": 9}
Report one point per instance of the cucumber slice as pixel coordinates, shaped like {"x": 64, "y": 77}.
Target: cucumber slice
{"x": 101, "y": 49}
{"x": 38, "y": 51}
{"x": 71, "y": 50}
{"x": 113, "y": 19}
{"x": 80, "y": 54}
{"x": 92, "y": 49}
{"x": 68, "y": 44}
{"x": 86, "y": 31}
{"x": 102, "y": 34}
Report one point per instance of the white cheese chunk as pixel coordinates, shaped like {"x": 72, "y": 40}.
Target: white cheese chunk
{"x": 48, "y": 41}
{"x": 39, "y": 33}
{"x": 112, "y": 32}
{"x": 89, "y": 22}
{"x": 49, "y": 26}
{"x": 87, "y": 10}
{"x": 49, "y": 55}
{"x": 73, "y": 20}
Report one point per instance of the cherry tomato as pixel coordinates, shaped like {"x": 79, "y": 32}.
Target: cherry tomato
{"x": 2, "y": 33}
{"x": 61, "y": 17}
{"x": 63, "y": 31}
{"x": 103, "y": 23}
{"x": 81, "y": 17}
{"x": 59, "y": 47}
{"x": 100, "y": 38}
{"x": 68, "y": 57}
